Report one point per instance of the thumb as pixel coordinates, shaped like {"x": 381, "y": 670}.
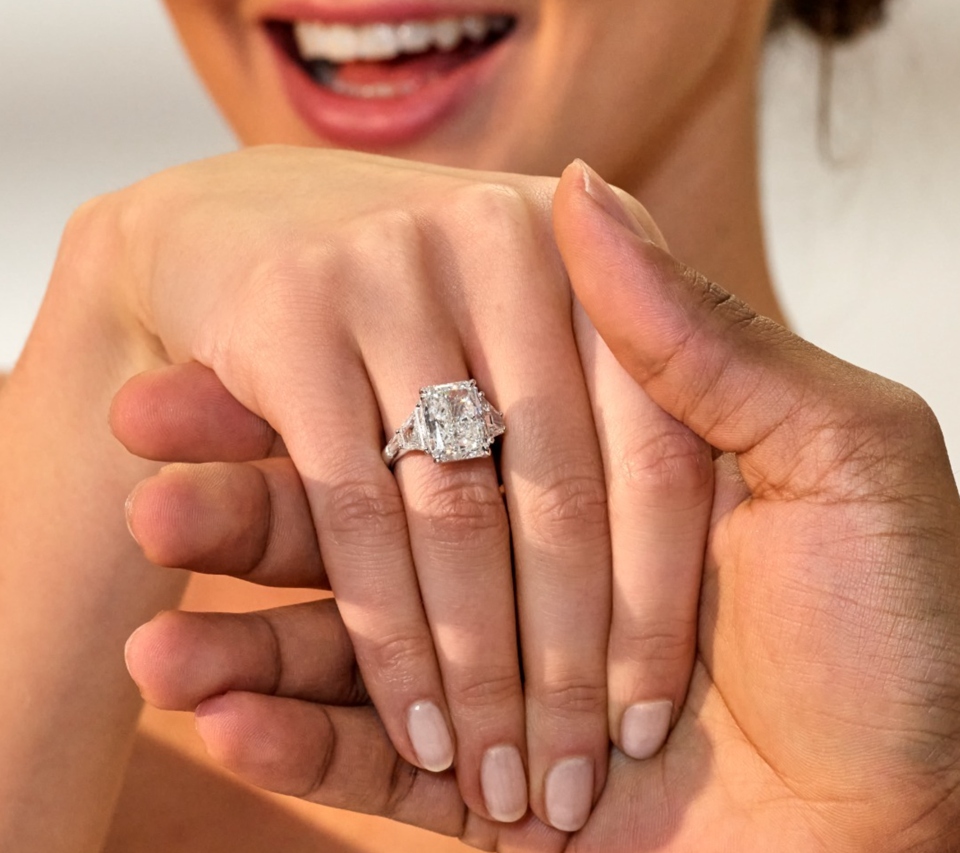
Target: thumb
{"x": 740, "y": 381}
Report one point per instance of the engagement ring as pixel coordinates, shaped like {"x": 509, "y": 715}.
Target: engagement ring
{"x": 452, "y": 423}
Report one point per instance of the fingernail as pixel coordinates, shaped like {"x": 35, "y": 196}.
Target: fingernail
{"x": 602, "y": 193}
{"x": 128, "y": 511}
{"x": 504, "y": 783}
{"x": 644, "y": 728}
{"x": 569, "y": 793}
{"x": 430, "y": 736}
{"x": 128, "y": 644}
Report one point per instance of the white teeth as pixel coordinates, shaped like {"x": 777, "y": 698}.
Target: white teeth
{"x": 414, "y": 37}
{"x": 476, "y": 27}
{"x": 377, "y": 42}
{"x": 371, "y": 91}
{"x": 337, "y": 43}
{"x": 448, "y": 34}
{"x": 340, "y": 43}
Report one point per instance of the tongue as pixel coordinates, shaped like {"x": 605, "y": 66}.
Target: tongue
{"x": 405, "y": 72}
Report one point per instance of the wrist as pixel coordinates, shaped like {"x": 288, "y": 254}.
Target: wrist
{"x": 74, "y": 582}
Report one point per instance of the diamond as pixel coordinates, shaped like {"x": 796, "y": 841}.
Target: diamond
{"x": 457, "y": 422}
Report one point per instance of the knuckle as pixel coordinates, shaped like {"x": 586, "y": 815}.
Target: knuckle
{"x": 572, "y": 697}
{"x": 285, "y": 289}
{"x": 364, "y": 509}
{"x": 487, "y": 687}
{"x": 733, "y": 311}
{"x": 674, "y": 461}
{"x": 394, "y": 657}
{"x": 911, "y": 408}
{"x": 461, "y": 511}
{"x": 869, "y": 443}
{"x": 403, "y": 780}
{"x": 668, "y": 642}
{"x": 88, "y": 219}
{"x": 93, "y": 236}
{"x": 386, "y": 230}
{"x": 573, "y": 504}
{"x": 503, "y": 209}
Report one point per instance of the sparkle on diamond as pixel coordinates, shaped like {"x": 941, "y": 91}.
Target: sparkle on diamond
{"x": 455, "y": 422}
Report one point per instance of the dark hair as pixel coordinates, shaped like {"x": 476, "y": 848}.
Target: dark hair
{"x": 831, "y": 20}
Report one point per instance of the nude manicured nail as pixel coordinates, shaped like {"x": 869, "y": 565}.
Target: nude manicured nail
{"x": 644, "y": 728}
{"x": 569, "y": 793}
{"x": 504, "y": 783}
{"x": 430, "y": 736}
{"x": 602, "y": 193}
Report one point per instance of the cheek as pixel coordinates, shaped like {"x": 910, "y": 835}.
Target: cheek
{"x": 613, "y": 72}
{"x": 236, "y": 70}
{"x": 211, "y": 33}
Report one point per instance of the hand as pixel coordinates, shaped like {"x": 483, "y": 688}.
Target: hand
{"x": 323, "y": 290}
{"x": 824, "y": 711}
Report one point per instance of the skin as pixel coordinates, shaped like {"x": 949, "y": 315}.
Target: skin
{"x": 649, "y": 147}
{"x": 676, "y": 130}
{"x": 838, "y": 625}
{"x": 684, "y": 144}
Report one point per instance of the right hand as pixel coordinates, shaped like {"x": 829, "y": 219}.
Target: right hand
{"x": 323, "y": 289}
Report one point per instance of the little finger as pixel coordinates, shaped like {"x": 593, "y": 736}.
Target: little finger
{"x": 660, "y": 489}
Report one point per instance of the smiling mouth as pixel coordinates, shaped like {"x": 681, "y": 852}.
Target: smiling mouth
{"x": 384, "y": 61}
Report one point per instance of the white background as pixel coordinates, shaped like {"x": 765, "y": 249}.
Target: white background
{"x": 95, "y": 94}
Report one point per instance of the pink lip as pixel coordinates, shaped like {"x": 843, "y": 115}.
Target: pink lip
{"x": 377, "y": 11}
{"x": 379, "y": 123}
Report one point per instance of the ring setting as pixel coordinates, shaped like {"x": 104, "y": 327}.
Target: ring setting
{"x": 452, "y": 422}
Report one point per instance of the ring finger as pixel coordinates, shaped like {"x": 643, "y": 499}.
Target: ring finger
{"x": 460, "y": 540}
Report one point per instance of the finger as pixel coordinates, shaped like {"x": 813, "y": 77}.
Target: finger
{"x": 553, "y": 476}
{"x": 182, "y": 660}
{"x": 460, "y": 539}
{"x": 339, "y": 757}
{"x": 182, "y": 413}
{"x": 302, "y": 651}
{"x": 336, "y": 437}
{"x": 249, "y": 520}
{"x": 740, "y": 381}
{"x": 660, "y": 488}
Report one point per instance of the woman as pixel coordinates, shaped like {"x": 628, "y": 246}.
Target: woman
{"x": 173, "y": 251}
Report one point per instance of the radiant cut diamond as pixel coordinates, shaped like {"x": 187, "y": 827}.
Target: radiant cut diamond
{"x": 455, "y": 422}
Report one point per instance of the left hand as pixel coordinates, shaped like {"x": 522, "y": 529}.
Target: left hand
{"x": 824, "y": 712}
{"x": 422, "y": 275}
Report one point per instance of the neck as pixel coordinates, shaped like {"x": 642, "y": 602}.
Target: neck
{"x": 701, "y": 185}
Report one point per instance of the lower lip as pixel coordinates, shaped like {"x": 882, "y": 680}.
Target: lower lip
{"x": 376, "y": 123}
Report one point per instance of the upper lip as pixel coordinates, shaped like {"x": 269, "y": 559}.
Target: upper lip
{"x": 376, "y": 11}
